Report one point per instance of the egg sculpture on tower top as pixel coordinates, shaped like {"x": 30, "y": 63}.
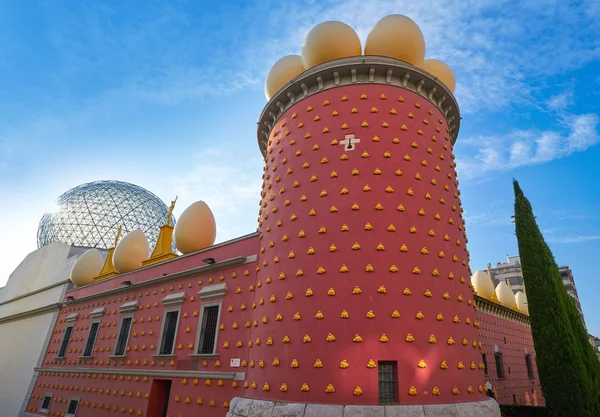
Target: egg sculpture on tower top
{"x": 363, "y": 261}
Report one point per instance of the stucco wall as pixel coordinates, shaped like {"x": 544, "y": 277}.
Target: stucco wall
{"x": 21, "y": 342}
{"x": 104, "y": 383}
{"x": 513, "y": 340}
{"x": 381, "y": 218}
{"x": 34, "y": 301}
{"x": 41, "y": 268}
{"x": 28, "y": 304}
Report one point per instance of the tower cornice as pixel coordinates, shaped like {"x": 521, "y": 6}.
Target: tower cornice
{"x": 359, "y": 70}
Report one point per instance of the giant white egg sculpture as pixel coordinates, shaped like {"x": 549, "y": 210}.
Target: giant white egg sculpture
{"x": 130, "y": 252}
{"x": 196, "y": 228}
{"x": 86, "y": 267}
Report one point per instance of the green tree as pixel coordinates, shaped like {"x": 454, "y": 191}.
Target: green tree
{"x": 567, "y": 384}
{"x": 591, "y": 362}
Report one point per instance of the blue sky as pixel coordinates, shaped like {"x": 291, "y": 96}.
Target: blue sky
{"x": 166, "y": 94}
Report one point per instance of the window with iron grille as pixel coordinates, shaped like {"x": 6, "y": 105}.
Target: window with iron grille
{"x": 388, "y": 382}
{"x": 168, "y": 335}
{"x": 123, "y": 336}
{"x": 72, "y": 408}
{"x": 484, "y": 360}
{"x": 46, "y": 402}
{"x": 65, "y": 342}
{"x": 499, "y": 365}
{"x": 529, "y": 364}
{"x": 208, "y": 329}
{"x": 91, "y": 341}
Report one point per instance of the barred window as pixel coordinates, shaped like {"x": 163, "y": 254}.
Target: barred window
{"x": 65, "y": 342}
{"x": 388, "y": 382}
{"x": 529, "y": 364}
{"x": 208, "y": 330}
{"x": 169, "y": 330}
{"x": 484, "y": 360}
{"x": 91, "y": 341}
{"x": 123, "y": 336}
{"x": 46, "y": 402}
{"x": 72, "y": 408}
{"x": 499, "y": 365}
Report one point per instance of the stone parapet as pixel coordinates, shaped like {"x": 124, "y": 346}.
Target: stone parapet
{"x": 246, "y": 407}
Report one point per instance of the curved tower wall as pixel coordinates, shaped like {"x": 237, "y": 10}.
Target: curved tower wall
{"x": 351, "y": 230}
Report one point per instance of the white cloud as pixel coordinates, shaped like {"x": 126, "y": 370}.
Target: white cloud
{"x": 228, "y": 182}
{"x": 576, "y": 213}
{"x": 573, "y": 239}
{"x": 583, "y": 132}
{"x": 530, "y": 147}
{"x": 560, "y": 101}
{"x": 163, "y": 53}
{"x": 489, "y": 218}
{"x": 495, "y": 47}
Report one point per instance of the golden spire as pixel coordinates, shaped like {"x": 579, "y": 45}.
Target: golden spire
{"x": 508, "y": 283}
{"x": 163, "y": 250}
{"x": 170, "y": 212}
{"x": 117, "y": 236}
{"x": 108, "y": 269}
{"x": 489, "y": 270}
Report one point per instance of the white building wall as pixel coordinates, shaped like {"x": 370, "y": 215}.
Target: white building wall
{"x": 21, "y": 343}
{"x": 41, "y": 268}
{"x": 29, "y": 304}
{"x": 39, "y": 300}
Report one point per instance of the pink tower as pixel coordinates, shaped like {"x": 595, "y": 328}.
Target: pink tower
{"x": 363, "y": 293}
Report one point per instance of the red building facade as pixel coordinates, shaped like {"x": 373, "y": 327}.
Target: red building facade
{"x": 143, "y": 378}
{"x": 354, "y": 292}
{"x": 508, "y": 354}
{"x": 363, "y": 251}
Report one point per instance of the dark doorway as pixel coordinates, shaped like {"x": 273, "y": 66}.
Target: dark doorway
{"x": 158, "y": 403}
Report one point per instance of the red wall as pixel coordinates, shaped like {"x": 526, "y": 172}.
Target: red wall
{"x": 130, "y": 392}
{"x": 301, "y": 141}
{"x": 512, "y": 340}
{"x": 264, "y": 294}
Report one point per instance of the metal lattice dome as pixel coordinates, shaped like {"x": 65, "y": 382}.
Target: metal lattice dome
{"x": 90, "y": 215}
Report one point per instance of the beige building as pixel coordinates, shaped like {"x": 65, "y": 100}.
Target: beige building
{"x": 29, "y": 305}
{"x": 510, "y": 272}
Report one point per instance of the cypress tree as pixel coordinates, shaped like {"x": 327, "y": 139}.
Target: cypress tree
{"x": 567, "y": 387}
{"x": 591, "y": 362}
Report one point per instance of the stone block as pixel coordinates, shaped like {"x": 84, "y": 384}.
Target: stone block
{"x": 233, "y": 403}
{"x": 487, "y": 408}
{"x": 261, "y": 408}
{"x": 288, "y": 410}
{"x": 240, "y": 406}
{"x": 441, "y": 410}
{"x": 490, "y": 408}
{"x": 470, "y": 410}
{"x": 364, "y": 411}
{"x": 404, "y": 411}
{"x": 322, "y": 410}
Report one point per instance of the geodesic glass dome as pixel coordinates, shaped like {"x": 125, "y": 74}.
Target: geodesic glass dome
{"x": 89, "y": 215}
